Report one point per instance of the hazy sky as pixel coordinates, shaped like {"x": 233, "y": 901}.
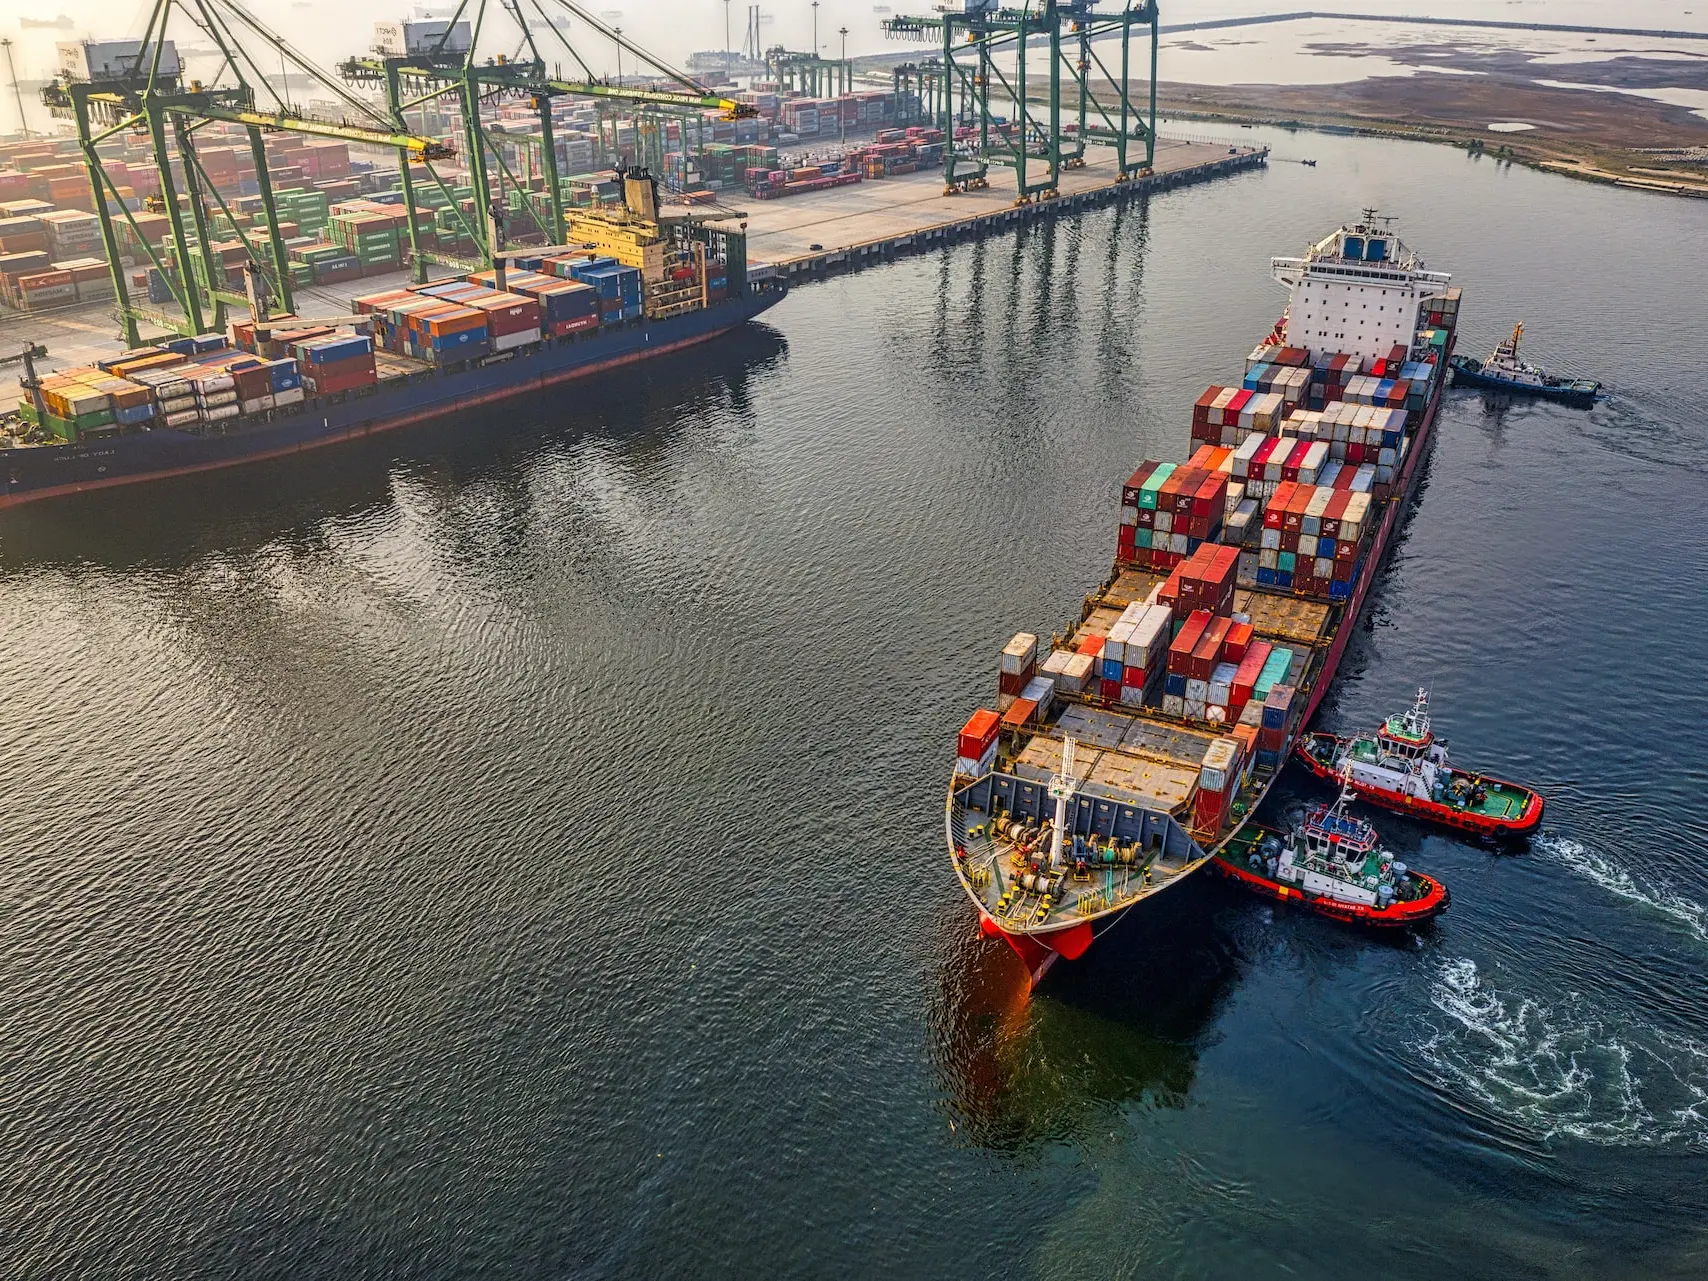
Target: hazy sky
{"x": 328, "y": 31}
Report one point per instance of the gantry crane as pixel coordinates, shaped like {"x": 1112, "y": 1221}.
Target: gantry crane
{"x": 975, "y": 36}
{"x": 148, "y": 95}
{"x": 413, "y": 80}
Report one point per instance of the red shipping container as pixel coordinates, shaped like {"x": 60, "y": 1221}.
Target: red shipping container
{"x": 1209, "y": 811}
{"x": 1250, "y": 668}
{"x": 1354, "y": 453}
{"x": 1201, "y": 407}
{"x": 979, "y": 733}
{"x": 1110, "y": 691}
{"x": 1186, "y": 491}
{"x": 1208, "y": 651}
{"x": 1232, "y": 410}
{"x": 1170, "y": 592}
{"x": 1092, "y": 645}
{"x": 1237, "y": 642}
{"x": 1014, "y": 682}
{"x": 1130, "y": 491}
{"x": 1272, "y": 740}
{"x": 1134, "y": 677}
{"x": 1146, "y": 518}
{"x": 1333, "y": 512}
{"x": 1020, "y": 712}
{"x": 1211, "y": 496}
{"x": 1181, "y": 647}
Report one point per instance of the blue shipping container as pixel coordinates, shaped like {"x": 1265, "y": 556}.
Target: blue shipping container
{"x": 1174, "y": 684}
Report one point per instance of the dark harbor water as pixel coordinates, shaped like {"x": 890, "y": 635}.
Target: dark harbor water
{"x": 517, "y": 850}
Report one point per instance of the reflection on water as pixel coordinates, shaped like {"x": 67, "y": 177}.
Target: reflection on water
{"x": 1114, "y": 1032}
{"x": 237, "y": 510}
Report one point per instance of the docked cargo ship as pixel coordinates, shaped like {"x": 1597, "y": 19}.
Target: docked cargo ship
{"x": 1131, "y": 747}
{"x": 634, "y": 288}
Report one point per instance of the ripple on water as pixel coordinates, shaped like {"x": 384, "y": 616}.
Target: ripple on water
{"x": 1646, "y": 889}
{"x": 1566, "y": 1069}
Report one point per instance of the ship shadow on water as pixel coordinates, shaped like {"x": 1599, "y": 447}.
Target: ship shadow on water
{"x": 236, "y": 511}
{"x": 1118, "y": 1030}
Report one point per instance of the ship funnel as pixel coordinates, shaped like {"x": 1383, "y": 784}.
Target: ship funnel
{"x": 640, "y": 194}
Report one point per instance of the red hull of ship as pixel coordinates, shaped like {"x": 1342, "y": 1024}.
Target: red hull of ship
{"x": 1039, "y": 951}
{"x": 1395, "y": 916}
{"x": 1434, "y": 811}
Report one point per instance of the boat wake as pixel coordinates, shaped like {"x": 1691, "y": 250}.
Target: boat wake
{"x": 1566, "y": 1070}
{"x": 1647, "y": 891}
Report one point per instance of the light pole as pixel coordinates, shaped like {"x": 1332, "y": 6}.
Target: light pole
{"x": 23, "y": 124}
{"x": 727, "y": 59}
{"x": 842, "y": 106}
{"x": 815, "y": 28}
{"x": 619, "y": 32}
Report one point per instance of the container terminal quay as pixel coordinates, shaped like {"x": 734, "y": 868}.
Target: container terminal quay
{"x": 854, "y": 227}
{"x": 452, "y": 225}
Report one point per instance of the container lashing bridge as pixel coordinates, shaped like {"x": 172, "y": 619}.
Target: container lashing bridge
{"x": 1036, "y": 135}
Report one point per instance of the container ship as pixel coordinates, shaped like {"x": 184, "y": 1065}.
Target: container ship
{"x": 633, "y": 286}
{"x": 1126, "y": 751}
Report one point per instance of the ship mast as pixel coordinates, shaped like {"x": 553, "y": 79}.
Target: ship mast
{"x": 1062, "y": 787}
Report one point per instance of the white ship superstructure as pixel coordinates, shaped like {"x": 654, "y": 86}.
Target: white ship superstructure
{"x": 1359, "y": 290}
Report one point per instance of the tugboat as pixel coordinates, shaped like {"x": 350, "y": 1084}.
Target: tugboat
{"x": 1333, "y": 864}
{"x": 1404, "y": 767}
{"x": 1504, "y": 371}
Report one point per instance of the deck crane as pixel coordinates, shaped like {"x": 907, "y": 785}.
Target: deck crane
{"x": 149, "y": 93}
{"x": 975, "y": 34}
{"x": 453, "y": 64}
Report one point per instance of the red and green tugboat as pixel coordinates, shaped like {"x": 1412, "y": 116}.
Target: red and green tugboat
{"x": 1333, "y": 864}
{"x": 1404, "y": 767}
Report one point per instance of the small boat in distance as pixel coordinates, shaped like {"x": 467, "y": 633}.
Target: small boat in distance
{"x": 1404, "y": 767}
{"x": 1504, "y": 371}
{"x": 1333, "y": 864}
{"x": 1311, "y": 163}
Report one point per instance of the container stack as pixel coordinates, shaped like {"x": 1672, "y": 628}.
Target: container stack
{"x": 1218, "y": 781}
{"x": 1133, "y": 654}
{"x": 1168, "y": 511}
{"x": 336, "y": 363}
{"x": 1018, "y": 665}
{"x": 1314, "y": 538}
{"x": 976, "y": 747}
{"x": 566, "y": 306}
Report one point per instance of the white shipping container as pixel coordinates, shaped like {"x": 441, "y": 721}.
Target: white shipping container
{"x": 1195, "y": 710}
{"x": 1222, "y": 683}
{"x": 184, "y": 418}
{"x": 292, "y": 397}
{"x": 1173, "y": 705}
{"x": 1020, "y": 653}
{"x": 521, "y": 338}
{"x": 1077, "y": 674}
{"x": 219, "y": 413}
{"x": 257, "y": 405}
{"x": 1197, "y": 691}
{"x": 218, "y": 399}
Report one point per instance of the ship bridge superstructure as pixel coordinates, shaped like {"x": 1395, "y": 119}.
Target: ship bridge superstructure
{"x": 1358, "y": 290}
